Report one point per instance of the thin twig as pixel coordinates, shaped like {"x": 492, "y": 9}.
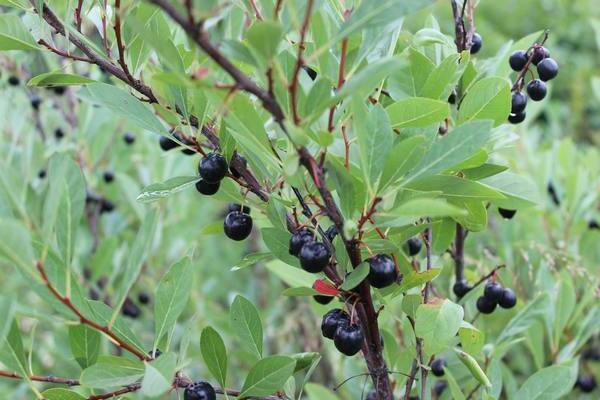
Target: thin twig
{"x": 120, "y": 45}
{"x": 299, "y": 63}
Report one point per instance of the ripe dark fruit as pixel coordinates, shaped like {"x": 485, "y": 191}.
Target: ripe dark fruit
{"x": 130, "y": 309}
{"x": 382, "y": 271}
{"x": 486, "y": 305}
{"x": 59, "y": 133}
{"x": 508, "y": 298}
{"x": 238, "y": 207}
{"x": 348, "y": 339}
{"x": 59, "y": 90}
{"x": 372, "y": 395}
{"x": 461, "y": 288}
{"x": 493, "y": 291}
{"x": 518, "y": 102}
{"x": 437, "y": 366}
{"x": 129, "y": 138}
{"x": 212, "y": 167}
{"x": 237, "y": 225}
{"x": 518, "y": 60}
{"x": 414, "y": 246}
{"x": 167, "y": 144}
{"x": 452, "y": 98}
{"x": 506, "y": 213}
{"x": 143, "y": 298}
{"x": 299, "y": 239}
{"x": 476, "y": 43}
{"x": 332, "y": 320}
{"x": 13, "y": 80}
{"x": 536, "y": 89}
{"x": 331, "y": 232}
{"x": 106, "y": 206}
{"x": 593, "y": 224}
{"x": 206, "y": 188}
{"x": 314, "y": 257}
{"x": 35, "y": 102}
{"x": 439, "y": 387}
{"x": 108, "y": 176}
{"x": 42, "y": 173}
{"x": 539, "y": 53}
{"x": 547, "y": 69}
{"x": 323, "y": 299}
{"x": 586, "y": 383}
{"x": 517, "y": 118}
{"x": 199, "y": 391}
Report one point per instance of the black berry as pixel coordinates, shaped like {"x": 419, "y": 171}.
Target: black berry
{"x": 206, "y": 188}
{"x": 486, "y": 305}
{"x": 536, "y": 89}
{"x": 238, "y": 207}
{"x": 593, "y": 224}
{"x": 493, "y": 291}
{"x": 518, "y": 102}
{"x": 42, "y": 173}
{"x": 59, "y": 133}
{"x": 372, "y": 395}
{"x": 233, "y": 170}
{"x": 310, "y": 72}
{"x": 13, "y": 80}
{"x": 108, "y": 176}
{"x": 299, "y": 239}
{"x": 476, "y": 43}
{"x": 314, "y": 257}
{"x": 506, "y": 213}
{"x": 553, "y": 194}
{"x": 382, "y": 271}
{"x": 35, "y": 102}
{"x": 439, "y": 387}
{"x": 129, "y": 138}
{"x": 106, "y": 206}
{"x": 517, "y": 118}
{"x": 461, "y": 288}
{"x": 348, "y": 339}
{"x": 59, "y": 90}
{"x": 518, "y": 60}
{"x": 586, "y": 383}
{"x": 199, "y": 391}
{"x": 437, "y": 366}
{"x": 332, "y": 320}
{"x": 547, "y": 69}
{"x": 212, "y": 167}
{"x": 323, "y": 299}
{"x": 155, "y": 353}
{"x": 414, "y": 246}
{"x": 539, "y": 53}
{"x": 237, "y": 225}
{"x": 508, "y": 298}
{"x": 331, "y": 232}
{"x": 452, "y": 97}
{"x": 130, "y": 309}
{"x": 167, "y": 144}
{"x": 143, "y": 298}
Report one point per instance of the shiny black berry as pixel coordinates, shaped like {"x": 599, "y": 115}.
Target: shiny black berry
{"x": 536, "y": 89}
{"x": 506, "y": 213}
{"x": 476, "y": 43}
{"x": 59, "y": 90}
{"x": 508, "y": 299}
{"x": 461, "y": 288}
{"x": 414, "y": 245}
{"x": 42, "y": 173}
{"x": 586, "y": 383}
{"x": 517, "y": 118}
{"x": 348, "y": 339}
{"x": 331, "y": 232}
{"x": 493, "y": 291}
{"x": 106, "y": 206}
{"x": 518, "y": 60}
{"x": 332, "y": 320}
{"x": 129, "y": 138}
{"x": 593, "y": 224}
{"x": 130, "y": 309}
{"x": 486, "y": 305}
{"x": 518, "y": 102}
{"x": 238, "y": 207}
{"x": 143, "y": 298}
{"x": 167, "y": 144}
{"x": 35, "y": 102}
{"x": 314, "y": 257}
{"x": 437, "y": 366}
{"x": 237, "y": 225}
{"x": 199, "y": 391}
{"x": 59, "y": 133}
{"x": 108, "y": 176}
{"x": 539, "y": 53}
{"x": 547, "y": 69}
{"x": 299, "y": 239}
{"x": 155, "y": 353}
{"x": 13, "y": 80}
{"x": 212, "y": 167}
{"x": 206, "y": 188}
{"x": 323, "y": 299}
{"x": 382, "y": 271}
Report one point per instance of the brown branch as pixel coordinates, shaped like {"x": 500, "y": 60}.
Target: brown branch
{"x": 299, "y": 62}
{"x": 40, "y": 378}
{"x": 77, "y": 14}
{"x": 277, "y": 9}
{"x": 66, "y": 301}
{"x": 427, "y": 239}
{"x": 257, "y": 12}
{"x": 120, "y": 45}
{"x": 62, "y": 53}
{"x": 458, "y": 254}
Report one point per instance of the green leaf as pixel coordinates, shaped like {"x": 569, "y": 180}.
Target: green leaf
{"x": 367, "y": 79}
{"x": 533, "y": 312}
{"x": 471, "y": 338}
{"x": 14, "y": 34}
{"x": 300, "y": 291}
{"x": 124, "y": 104}
{"x": 454, "y": 387}
{"x": 277, "y": 241}
{"x": 452, "y": 149}
{"x": 12, "y": 354}
{"x": 408, "y": 81}
{"x": 356, "y": 276}
{"x": 487, "y": 99}
{"x": 452, "y": 186}
{"x": 410, "y": 304}
{"x": 214, "y": 354}
{"x": 111, "y": 371}
{"x": 437, "y": 324}
{"x": 444, "y": 78}
{"x": 519, "y": 191}
{"x": 52, "y": 79}
{"x": 424, "y": 207}
{"x": 264, "y": 38}
{"x": 85, "y": 344}
{"x": 417, "y": 279}
{"x": 319, "y": 392}
{"x": 268, "y": 376}
{"x": 157, "y": 191}
{"x": 292, "y": 276}
{"x": 417, "y": 112}
{"x": 473, "y": 367}
{"x": 15, "y": 247}
{"x": 251, "y": 259}
{"x": 172, "y": 294}
{"x": 401, "y": 158}
{"x": 159, "y": 374}
{"x": 62, "y": 394}
{"x": 245, "y": 322}
{"x": 549, "y": 383}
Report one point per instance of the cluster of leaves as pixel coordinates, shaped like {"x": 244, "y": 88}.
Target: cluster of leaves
{"x": 387, "y": 132}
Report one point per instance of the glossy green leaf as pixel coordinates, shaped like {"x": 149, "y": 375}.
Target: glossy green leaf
{"x": 356, "y": 276}
{"x": 417, "y": 112}
{"x": 437, "y": 323}
{"x": 549, "y": 383}
{"x": 487, "y": 99}
{"x": 53, "y": 79}
{"x": 157, "y": 191}
{"x": 214, "y": 354}
{"x": 112, "y": 371}
{"x": 14, "y": 34}
{"x": 245, "y": 321}
{"x": 85, "y": 344}
{"x": 159, "y": 374}
{"x": 268, "y": 376}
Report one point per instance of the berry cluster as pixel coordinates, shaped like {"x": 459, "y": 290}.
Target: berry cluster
{"x": 199, "y": 390}
{"x": 547, "y": 69}
{"x": 347, "y": 337}
{"x": 495, "y": 295}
